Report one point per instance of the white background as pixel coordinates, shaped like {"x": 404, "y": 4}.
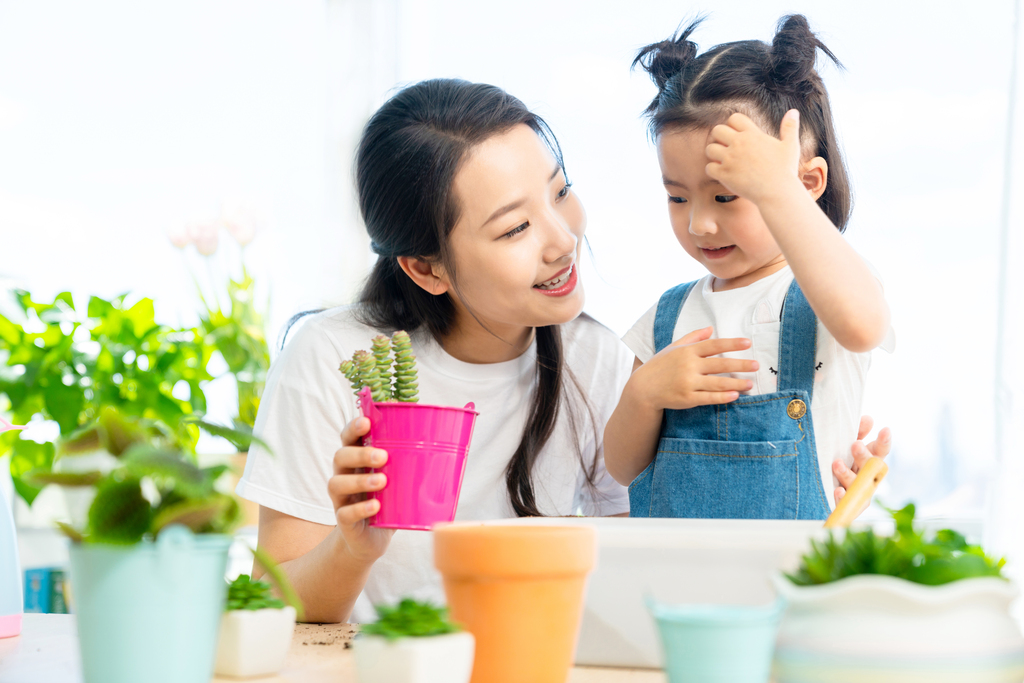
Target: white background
{"x": 120, "y": 121}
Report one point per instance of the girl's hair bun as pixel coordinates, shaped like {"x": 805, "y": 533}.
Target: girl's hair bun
{"x": 670, "y": 57}
{"x": 790, "y": 64}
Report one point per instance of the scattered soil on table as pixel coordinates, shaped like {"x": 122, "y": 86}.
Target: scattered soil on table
{"x": 339, "y": 635}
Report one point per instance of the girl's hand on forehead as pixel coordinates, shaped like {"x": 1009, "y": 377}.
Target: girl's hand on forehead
{"x": 688, "y": 373}
{"x": 751, "y": 163}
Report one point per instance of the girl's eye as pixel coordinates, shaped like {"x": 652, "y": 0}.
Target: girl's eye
{"x": 564, "y": 191}
{"x": 725, "y": 198}
{"x": 515, "y": 231}
{"x": 676, "y": 200}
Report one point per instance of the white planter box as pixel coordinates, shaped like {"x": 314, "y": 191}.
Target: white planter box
{"x": 886, "y": 630}
{"x": 432, "y": 659}
{"x": 254, "y": 642}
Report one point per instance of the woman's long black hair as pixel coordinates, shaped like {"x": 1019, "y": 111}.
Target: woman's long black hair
{"x": 409, "y": 154}
{"x": 761, "y": 80}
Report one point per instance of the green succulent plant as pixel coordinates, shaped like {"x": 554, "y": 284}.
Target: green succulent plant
{"x": 410, "y": 618}
{"x": 907, "y": 554}
{"x": 245, "y": 593}
{"x": 374, "y": 369}
{"x": 406, "y": 380}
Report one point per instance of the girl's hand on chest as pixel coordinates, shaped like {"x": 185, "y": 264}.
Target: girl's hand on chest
{"x": 685, "y": 374}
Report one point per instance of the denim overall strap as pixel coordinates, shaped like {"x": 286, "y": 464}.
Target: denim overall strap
{"x": 669, "y": 306}
{"x": 798, "y": 343}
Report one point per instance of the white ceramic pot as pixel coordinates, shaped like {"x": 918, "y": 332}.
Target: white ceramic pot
{"x": 254, "y": 642}
{"x": 431, "y": 659}
{"x": 887, "y": 630}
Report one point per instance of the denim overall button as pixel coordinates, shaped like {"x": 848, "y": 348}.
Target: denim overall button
{"x": 796, "y": 409}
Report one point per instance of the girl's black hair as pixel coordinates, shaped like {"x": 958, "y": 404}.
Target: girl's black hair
{"x": 408, "y": 157}
{"x": 760, "y": 80}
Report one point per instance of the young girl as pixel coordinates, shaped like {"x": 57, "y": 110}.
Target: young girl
{"x": 747, "y": 384}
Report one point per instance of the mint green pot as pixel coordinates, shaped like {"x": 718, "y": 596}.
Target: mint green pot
{"x": 150, "y": 612}
{"x": 718, "y": 643}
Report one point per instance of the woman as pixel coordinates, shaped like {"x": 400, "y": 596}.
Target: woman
{"x": 465, "y": 198}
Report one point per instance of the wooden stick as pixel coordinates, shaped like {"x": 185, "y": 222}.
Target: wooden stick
{"x": 858, "y": 496}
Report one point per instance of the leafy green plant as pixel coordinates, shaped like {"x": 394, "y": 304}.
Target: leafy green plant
{"x": 155, "y": 484}
{"x": 59, "y": 365}
{"x": 907, "y": 554}
{"x": 410, "y": 618}
{"x": 234, "y": 327}
{"x": 239, "y": 335}
{"x": 244, "y": 593}
{"x": 373, "y": 369}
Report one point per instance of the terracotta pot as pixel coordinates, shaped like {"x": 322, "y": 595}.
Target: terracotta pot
{"x": 519, "y": 591}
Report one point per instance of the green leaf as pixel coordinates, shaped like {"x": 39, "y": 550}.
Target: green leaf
{"x": 237, "y": 437}
{"x": 144, "y": 460}
{"x": 119, "y": 514}
{"x": 28, "y": 456}
{"x": 70, "y": 479}
{"x": 71, "y": 532}
{"x": 197, "y": 515}
{"x": 280, "y": 579}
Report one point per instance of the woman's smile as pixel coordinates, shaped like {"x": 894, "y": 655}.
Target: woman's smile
{"x": 563, "y": 283}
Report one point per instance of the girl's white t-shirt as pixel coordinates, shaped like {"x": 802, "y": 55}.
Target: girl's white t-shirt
{"x": 307, "y": 402}
{"x": 754, "y": 312}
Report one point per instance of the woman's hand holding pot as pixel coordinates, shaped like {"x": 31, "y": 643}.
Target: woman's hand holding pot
{"x": 348, "y": 488}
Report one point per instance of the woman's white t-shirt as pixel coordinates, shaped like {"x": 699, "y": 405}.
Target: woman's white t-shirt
{"x": 307, "y": 402}
{"x": 754, "y": 312}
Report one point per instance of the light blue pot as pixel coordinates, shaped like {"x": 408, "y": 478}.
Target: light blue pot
{"x": 717, "y": 643}
{"x": 150, "y": 612}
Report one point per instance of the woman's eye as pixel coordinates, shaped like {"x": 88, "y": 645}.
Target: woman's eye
{"x": 515, "y": 231}
{"x": 676, "y": 200}
{"x": 725, "y": 198}
{"x": 564, "y": 191}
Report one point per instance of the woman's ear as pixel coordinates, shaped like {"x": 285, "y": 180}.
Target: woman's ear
{"x": 429, "y": 276}
{"x": 814, "y": 176}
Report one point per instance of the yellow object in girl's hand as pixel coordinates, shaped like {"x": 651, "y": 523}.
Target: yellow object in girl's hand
{"x": 859, "y": 495}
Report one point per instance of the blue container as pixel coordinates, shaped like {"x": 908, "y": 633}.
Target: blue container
{"x": 10, "y": 574}
{"x": 150, "y": 612}
{"x": 717, "y": 643}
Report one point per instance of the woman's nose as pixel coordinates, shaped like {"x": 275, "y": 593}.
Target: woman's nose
{"x": 560, "y": 240}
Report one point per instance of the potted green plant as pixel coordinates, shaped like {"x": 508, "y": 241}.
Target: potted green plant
{"x": 256, "y": 628}
{"x": 905, "y": 607}
{"x": 413, "y": 642}
{"x": 426, "y": 445}
{"x": 147, "y": 568}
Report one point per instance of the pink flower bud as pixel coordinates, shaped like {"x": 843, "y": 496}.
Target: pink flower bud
{"x": 179, "y": 236}
{"x": 204, "y": 236}
{"x": 240, "y": 223}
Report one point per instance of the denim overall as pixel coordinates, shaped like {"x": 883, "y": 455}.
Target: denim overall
{"x": 753, "y": 458}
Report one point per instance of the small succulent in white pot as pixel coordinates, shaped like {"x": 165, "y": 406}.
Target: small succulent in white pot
{"x": 904, "y": 608}
{"x": 256, "y": 628}
{"x": 413, "y": 642}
